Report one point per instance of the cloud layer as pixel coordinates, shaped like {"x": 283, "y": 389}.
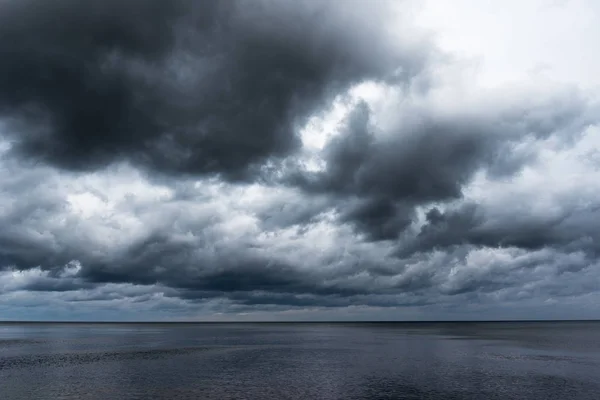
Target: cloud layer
{"x": 181, "y": 86}
{"x": 282, "y": 159}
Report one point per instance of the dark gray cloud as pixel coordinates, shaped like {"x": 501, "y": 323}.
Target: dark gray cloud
{"x": 423, "y": 159}
{"x": 181, "y": 86}
{"x": 572, "y": 229}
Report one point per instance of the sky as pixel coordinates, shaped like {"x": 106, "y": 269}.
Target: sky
{"x": 277, "y": 160}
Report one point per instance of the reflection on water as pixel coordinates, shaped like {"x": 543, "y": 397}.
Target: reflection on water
{"x": 549, "y": 360}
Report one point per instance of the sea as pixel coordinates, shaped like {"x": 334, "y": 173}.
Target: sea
{"x": 442, "y": 360}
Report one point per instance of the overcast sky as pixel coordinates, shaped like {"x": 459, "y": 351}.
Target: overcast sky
{"x": 299, "y": 160}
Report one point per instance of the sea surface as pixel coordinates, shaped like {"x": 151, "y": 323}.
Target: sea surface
{"x": 507, "y": 360}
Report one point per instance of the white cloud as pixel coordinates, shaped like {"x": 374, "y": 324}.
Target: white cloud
{"x": 516, "y": 41}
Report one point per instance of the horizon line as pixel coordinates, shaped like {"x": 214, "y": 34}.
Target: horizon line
{"x": 293, "y": 321}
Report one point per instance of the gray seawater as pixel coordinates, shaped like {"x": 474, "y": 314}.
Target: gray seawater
{"x": 533, "y": 360}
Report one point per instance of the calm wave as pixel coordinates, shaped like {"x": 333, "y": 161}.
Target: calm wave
{"x": 533, "y": 360}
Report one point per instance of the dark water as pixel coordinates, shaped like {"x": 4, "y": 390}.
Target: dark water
{"x": 549, "y": 360}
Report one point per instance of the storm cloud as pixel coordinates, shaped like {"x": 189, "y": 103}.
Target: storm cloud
{"x": 181, "y": 86}
{"x": 201, "y": 160}
{"x": 423, "y": 157}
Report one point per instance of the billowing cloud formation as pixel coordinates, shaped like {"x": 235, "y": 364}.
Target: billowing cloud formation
{"x": 181, "y": 86}
{"x": 191, "y": 160}
{"x": 426, "y": 156}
